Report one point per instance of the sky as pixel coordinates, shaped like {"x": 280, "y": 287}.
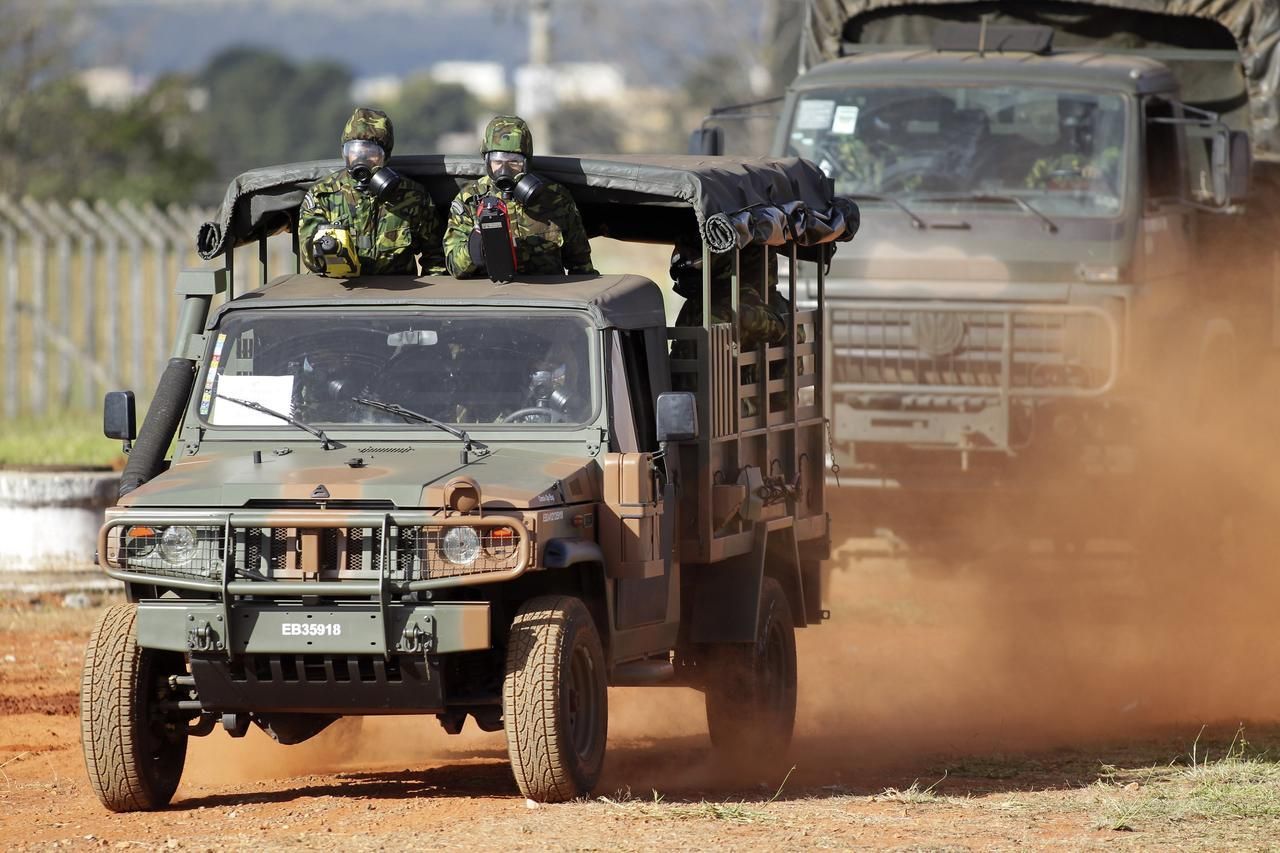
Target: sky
{"x": 376, "y": 37}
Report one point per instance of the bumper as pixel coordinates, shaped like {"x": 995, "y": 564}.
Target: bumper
{"x": 200, "y": 627}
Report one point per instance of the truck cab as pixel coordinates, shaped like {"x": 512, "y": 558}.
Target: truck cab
{"x": 1035, "y": 280}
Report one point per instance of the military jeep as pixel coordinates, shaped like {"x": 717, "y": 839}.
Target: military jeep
{"x": 418, "y": 495}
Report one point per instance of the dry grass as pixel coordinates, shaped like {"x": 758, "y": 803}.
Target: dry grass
{"x": 1241, "y": 784}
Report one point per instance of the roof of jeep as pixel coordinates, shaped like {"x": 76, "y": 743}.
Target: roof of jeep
{"x": 645, "y": 198}
{"x": 1132, "y": 74}
{"x": 611, "y": 301}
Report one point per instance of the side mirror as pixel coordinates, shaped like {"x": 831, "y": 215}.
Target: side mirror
{"x": 707, "y": 140}
{"x": 677, "y": 416}
{"x": 119, "y": 416}
{"x": 1232, "y": 162}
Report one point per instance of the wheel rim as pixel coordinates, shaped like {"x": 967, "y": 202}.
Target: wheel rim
{"x": 583, "y": 705}
{"x": 163, "y": 738}
{"x": 773, "y": 674}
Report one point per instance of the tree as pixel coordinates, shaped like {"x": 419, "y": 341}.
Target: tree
{"x": 264, "y": 109}
{"x": 427, "y": 109}
{"x": 584, "y": 129}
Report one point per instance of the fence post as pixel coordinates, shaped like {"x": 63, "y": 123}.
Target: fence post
{"x": 89, "y": 394}
{"x": 9, "y": 239}
{"x": 60, "y": 332}
{"x": 160, "y": 292}
{"x": 137, "y": 371}
{"x": 107, "y": 235}
{"x": 39, "y": 266}
{"x": 173, "y": 238}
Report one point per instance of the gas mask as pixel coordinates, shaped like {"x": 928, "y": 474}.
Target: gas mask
{"x": 507, "y": 170}
{"x": 1076, "y": 125}
{"x": 366, "y": 164}
{"x": 546, "y": 387}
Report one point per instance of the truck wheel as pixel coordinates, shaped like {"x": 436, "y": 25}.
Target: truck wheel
{"x": 554, "y": 699}
{"x": 751, "y": 688}
{"x": 134, "y": 753}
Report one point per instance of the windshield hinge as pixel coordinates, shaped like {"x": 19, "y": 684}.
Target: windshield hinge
{"x": 601, "y": 439}
{"x": 195, "y": 346}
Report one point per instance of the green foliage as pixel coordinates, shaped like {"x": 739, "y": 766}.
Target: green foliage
{"x": 264, "y": 109}
{"x": 427, "y": 109}
{"x": 147, "y": 150}
{"x": 583, "y": 129}
{"x": 64, "y": 439}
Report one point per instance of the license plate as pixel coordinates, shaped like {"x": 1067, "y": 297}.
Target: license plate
{"x": 273, "y": 630}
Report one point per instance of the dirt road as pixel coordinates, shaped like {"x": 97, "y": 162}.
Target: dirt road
{"x": 1019, "y": 699}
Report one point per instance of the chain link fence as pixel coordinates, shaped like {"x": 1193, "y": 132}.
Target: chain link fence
{"x": 88, "y": 303}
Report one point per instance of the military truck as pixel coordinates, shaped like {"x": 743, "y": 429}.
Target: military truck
{"x": 1055, "y": 254}
{"x": 404, "y": 495}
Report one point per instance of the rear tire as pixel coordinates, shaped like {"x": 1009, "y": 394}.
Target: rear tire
{"x": 555, "y": 700}
{"x": 751, "y": 688}
{"x": 133, "y": 754}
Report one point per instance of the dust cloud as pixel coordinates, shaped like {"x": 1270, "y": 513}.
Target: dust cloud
{"x": 1024, "y": 632}
{"x": 1015, "y": 635}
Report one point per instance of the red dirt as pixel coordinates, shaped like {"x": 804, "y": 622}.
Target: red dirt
{"x": 1011, "y": 679}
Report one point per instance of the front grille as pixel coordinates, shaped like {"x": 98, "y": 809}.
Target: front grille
{"x": 413, "y": 551}
{"x": 1023, "y": 349}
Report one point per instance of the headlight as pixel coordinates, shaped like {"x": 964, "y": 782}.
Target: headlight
{"x": 178, "y": 544}
{"x": 461, "y": 545}
{"x": 140, "y": 541}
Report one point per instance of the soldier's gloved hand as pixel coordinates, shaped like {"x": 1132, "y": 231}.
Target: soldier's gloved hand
{"x": 475, "y": 247}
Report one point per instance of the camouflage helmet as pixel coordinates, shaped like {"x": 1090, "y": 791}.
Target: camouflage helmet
{"x": 373, "y": 125}
{"x": 507, "y": 133}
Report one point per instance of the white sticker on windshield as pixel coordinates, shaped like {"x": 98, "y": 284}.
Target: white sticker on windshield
{"x": 814, "y": 115}
{"x": 846, "y": 120}
{"x": 274, "y": 392}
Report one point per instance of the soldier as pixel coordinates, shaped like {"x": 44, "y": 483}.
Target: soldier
{"x": 545, "y": 223}
{"x": 366, "y": 219}
{"x": 760, "y": 321}
{"x": 1086, "y": 160}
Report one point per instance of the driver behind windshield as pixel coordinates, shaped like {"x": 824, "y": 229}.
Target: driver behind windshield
{"x": 1082, "y": 159}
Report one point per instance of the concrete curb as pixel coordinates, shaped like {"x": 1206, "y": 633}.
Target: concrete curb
{"x": 50, "y": 519}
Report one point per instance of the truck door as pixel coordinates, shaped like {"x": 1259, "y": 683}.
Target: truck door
{"x": 1162, "y": 255}
{"x": 635, "y": 528}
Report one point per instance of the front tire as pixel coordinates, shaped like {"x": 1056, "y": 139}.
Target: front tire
{"x": 555, "y": 700}
{"x": 751, "y": 688}
{"x": 133, "y": 753}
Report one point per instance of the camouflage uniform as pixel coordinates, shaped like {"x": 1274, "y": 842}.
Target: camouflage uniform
{"x": 388, "y": 234}
{"x": 759, "y": 322}
{"x": 548, "y": 234}
{"x": 1047, "y": 172}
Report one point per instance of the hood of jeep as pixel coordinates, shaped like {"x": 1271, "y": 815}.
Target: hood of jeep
{"x": 408, "y": 476}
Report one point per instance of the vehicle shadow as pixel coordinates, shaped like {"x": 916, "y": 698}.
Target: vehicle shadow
{"x": 473, "y": 778}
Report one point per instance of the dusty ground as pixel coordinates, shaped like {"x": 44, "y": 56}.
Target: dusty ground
{"x": 1017, "y": 700}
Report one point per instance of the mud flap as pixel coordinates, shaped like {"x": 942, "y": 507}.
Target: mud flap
{"x": 726, "y": 596}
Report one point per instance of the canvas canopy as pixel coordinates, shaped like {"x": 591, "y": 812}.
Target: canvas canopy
{"x": 1244, "y": 92}
{"x": 729, "y": 202}
{"x": 611, "y": 301}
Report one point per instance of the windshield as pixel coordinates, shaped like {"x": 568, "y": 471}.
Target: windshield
{"x": 1061, "y": 151}
{"x": 456, "y": 368}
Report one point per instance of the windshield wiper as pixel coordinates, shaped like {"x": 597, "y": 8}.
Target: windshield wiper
{"x": 468, "y": 446}
{"x": 916, "y": 222}
{"x": 327, "y": 443}
{"x": 1049, "y": 224}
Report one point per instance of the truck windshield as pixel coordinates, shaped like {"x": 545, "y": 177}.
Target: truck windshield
{"x": 456, "y": 368}
{"x": 1060, "y": 150}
